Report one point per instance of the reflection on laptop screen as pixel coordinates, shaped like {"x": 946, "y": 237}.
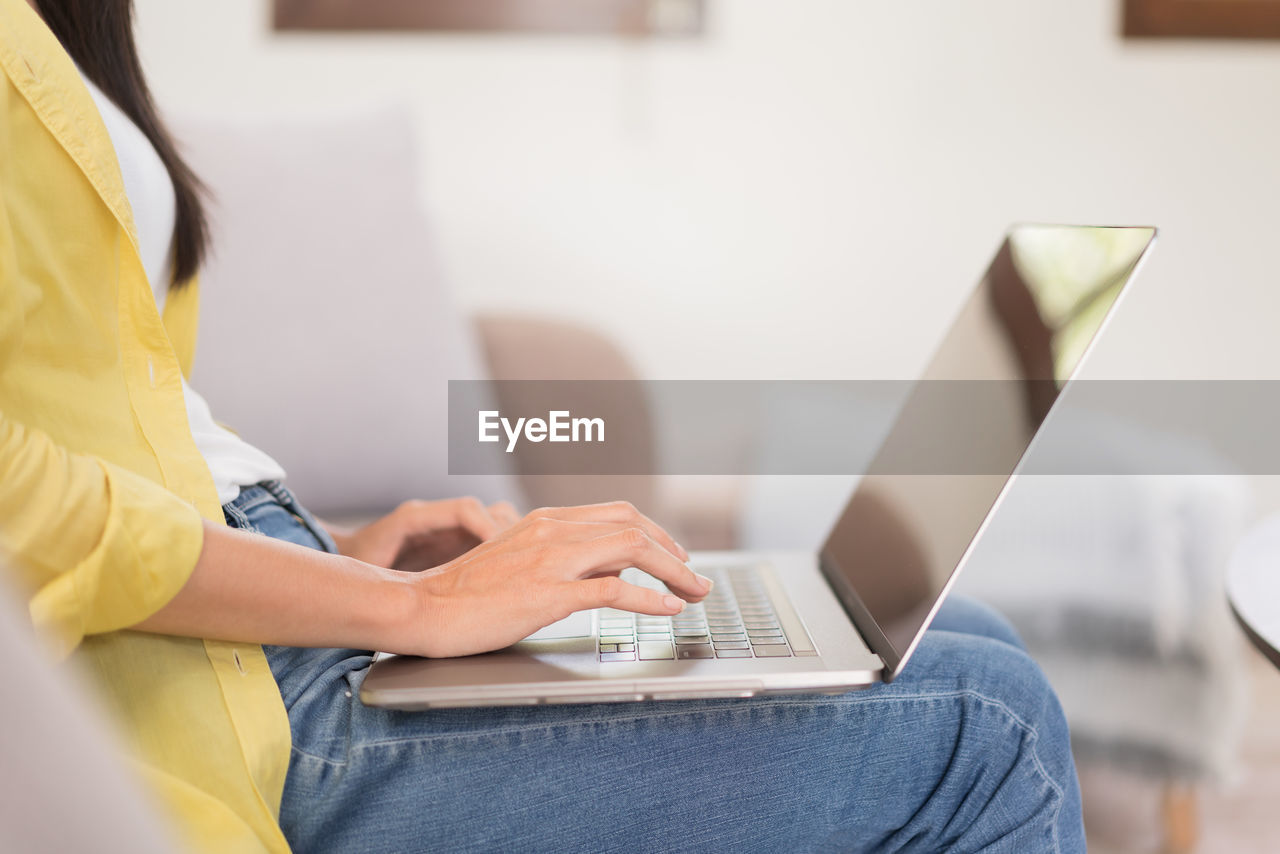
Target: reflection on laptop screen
{"x": 903, "y": 534}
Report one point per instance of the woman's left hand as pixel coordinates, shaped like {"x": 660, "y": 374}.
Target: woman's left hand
{"x": 422, "y": 534}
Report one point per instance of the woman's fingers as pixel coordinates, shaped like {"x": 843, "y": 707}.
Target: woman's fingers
{"x": 467, "y": 513}
{"x": 610, "y": 591}
{"x": 475, "y": 517}
{"x": 504, "y": 513}
{"x": 625, "y": 547}
{"x": 618, "y": 512}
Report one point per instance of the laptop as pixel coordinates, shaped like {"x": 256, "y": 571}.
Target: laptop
{"x": 850, "y": 615}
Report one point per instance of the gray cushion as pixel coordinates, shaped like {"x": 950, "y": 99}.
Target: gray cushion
{"x": 327, "y": 334}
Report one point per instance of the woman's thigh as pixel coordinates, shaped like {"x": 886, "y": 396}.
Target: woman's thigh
{"x": 966, "y": 751}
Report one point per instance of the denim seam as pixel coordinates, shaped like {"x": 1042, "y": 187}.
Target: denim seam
{"x": 300, "y": 752}
{"x": 241, "y": 519}
{"x": 248, "y": 502}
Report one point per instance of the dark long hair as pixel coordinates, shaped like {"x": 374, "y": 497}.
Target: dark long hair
{"x": 99, "y": 36}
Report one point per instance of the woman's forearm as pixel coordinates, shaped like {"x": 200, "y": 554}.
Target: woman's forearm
{"x": 255, "y": 589}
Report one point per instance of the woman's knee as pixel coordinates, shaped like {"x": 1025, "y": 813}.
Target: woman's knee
{"x": 1011, "y": 751}
{"x": 993, "y": 671}
{"x": 971, "y": 617}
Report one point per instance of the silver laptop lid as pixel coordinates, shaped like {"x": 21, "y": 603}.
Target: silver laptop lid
{"x": 906, "y": 532}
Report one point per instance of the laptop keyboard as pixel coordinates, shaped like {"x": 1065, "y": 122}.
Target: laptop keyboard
{"x": 737, "y": 620}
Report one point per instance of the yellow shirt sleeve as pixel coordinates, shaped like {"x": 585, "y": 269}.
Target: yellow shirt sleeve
{"x": 97, "y": 547}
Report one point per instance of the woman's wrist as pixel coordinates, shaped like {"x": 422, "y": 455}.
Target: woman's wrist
{"x": 387, "y": 613}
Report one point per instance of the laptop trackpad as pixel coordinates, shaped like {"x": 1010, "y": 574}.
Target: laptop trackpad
{"x": 576, "y": 625}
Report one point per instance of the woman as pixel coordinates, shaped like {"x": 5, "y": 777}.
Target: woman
{"x": 119, "y": 504}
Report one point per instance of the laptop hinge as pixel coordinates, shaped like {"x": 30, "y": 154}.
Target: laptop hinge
{"x": 860, "y": 615}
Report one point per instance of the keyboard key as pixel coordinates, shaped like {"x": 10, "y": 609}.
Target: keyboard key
{"x": 616, "y": 639}
{"x": 723, "y": 644}
{"x": 654, "y": 651}
{"x": 626, "y": 647}
{"x": 654, "y": 636}
{"x": 689, "y": 632}
{"x": 771, "y": 640}
{"x": 700, "y": 651}
{"x": 771, "y": 651}
{"x": 727, "y": 636}
{"x": 617, "y": 656}
{"x": 608, "y": 647}
{"x": 694, "y": 639}
{"x": 614, "y": 622}
{"x": 756, "y": 633}
{"x": 732, "y": 653}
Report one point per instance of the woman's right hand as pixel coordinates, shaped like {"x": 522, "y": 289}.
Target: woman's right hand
{"x": 551, "y": 563}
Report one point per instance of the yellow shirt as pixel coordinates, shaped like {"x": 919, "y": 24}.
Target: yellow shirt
{"x": 102, "y": 488}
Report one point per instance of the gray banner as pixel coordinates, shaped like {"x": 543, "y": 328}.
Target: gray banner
{"x": 855, "y": 427}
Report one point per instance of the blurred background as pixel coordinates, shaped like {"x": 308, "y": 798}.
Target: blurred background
{"x": 774, "y": 191}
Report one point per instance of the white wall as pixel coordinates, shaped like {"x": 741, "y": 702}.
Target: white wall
{"x": 809, "y": 190}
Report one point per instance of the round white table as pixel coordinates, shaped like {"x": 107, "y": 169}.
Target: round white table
{"x": 1253, "y": 586}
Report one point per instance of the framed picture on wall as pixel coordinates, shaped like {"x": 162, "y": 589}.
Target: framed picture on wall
{"x": 1220, "y": 19}
{"x": 565, "y": 17}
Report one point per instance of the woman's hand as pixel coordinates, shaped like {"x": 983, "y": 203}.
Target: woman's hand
{"x": 551, "y": 563}
{"x": 421, "y": 534}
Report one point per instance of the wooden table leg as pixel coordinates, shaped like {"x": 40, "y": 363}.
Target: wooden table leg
{"x": 1179, "y": 818}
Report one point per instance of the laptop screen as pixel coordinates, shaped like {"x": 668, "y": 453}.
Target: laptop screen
{"x": 963, "y": 428}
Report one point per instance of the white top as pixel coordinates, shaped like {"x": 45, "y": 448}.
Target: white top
{"x": 232, "y": 461}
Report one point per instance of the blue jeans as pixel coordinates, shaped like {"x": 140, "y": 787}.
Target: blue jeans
{"x": 966, "y": 751}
